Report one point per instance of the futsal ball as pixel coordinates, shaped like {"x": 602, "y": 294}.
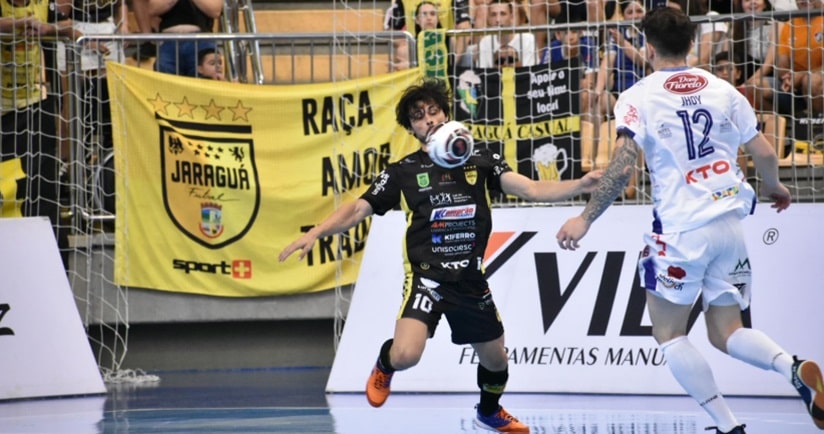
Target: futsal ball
{"x": 449, "y": 144}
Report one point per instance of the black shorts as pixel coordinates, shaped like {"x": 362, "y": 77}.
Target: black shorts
{"x": 468, "y": 307}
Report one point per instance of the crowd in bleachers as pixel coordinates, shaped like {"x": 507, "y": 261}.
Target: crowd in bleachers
{"x": 773, "y": 59}
{"x": 776, "y": 60}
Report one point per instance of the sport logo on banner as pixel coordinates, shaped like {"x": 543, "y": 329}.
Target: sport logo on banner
{"x": 210, "y": 180}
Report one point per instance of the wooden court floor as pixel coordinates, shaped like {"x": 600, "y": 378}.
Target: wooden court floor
{"x": 292, "y": 400}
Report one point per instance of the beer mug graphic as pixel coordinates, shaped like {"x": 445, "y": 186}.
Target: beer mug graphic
{"x": 546, "y": 159}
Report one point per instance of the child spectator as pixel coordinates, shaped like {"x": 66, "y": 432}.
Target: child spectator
{"x": 730, "y": 67}
{"x": 210, "y": 64}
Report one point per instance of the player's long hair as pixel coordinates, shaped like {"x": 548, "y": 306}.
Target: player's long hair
{"x": 429, "y": 90}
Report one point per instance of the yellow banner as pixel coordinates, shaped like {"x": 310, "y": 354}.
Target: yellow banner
{"x": 215, "y": 178}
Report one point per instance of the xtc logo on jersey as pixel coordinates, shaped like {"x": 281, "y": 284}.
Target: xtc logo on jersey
{"x": 238, "y": 269}
{"x": 453, "y": 213}
{"x": 706, "y": 171}
{"x": 685, "y": 83}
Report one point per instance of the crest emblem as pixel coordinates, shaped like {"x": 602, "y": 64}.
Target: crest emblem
{"x": 423, "y": 180}
{"x": 471, "y": 174}
{"x": 210, "y": 180}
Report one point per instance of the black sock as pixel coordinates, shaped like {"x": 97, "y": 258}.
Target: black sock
{"x": 492, "y": 386}
{"x": 383, "y": 357}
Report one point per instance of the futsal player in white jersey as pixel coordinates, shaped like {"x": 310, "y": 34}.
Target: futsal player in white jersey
{"x": 690, "y": 125}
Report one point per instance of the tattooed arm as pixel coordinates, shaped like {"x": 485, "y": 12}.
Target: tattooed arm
{"x": 612, "y": 183}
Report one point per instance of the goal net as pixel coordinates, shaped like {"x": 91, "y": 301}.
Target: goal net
{"x": 550, "y": 120}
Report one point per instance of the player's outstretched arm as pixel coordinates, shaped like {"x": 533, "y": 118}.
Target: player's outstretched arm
{"x": 548, "y": 191}
{"x": 348, "y": 215}
{"x": 612, "y": 183}
{"x": 766, "y": 164}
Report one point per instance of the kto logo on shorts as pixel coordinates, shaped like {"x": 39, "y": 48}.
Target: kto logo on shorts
{"x": 210, "y": 180}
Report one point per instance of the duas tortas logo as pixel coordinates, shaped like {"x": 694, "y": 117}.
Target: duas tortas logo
{"x": 210, "y": 179}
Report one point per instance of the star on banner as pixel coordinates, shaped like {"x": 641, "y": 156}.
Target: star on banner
{"x": 240, "y": 112}
{"x": 184, "y": 108}
{"x": 160, "y": 104}
{"x": 212, "y": 110}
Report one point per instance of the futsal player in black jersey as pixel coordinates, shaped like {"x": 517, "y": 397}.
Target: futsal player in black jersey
{"x": 443, "y": 279}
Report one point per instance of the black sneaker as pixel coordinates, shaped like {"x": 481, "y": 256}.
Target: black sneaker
{"x": 737, "y": 430}
{"x": 808, "y": 382}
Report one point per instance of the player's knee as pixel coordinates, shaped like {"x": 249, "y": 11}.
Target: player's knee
{"x": 718, "y": 340}
{"x": 665, "y": 334}
{"x": 404, "y": 357}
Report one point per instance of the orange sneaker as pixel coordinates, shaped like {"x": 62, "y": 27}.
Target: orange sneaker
{"x": 377, "y": 386}
{"x": 500, "y": 421}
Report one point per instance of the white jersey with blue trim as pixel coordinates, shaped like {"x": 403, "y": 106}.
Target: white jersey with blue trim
{"x": 690, "y": 125}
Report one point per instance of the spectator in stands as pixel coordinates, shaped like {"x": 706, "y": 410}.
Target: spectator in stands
{"x": 479, "y": 10}
{"x": 624, "y": 62}
{"x": 711, "y": 36}
{"x": 800, "y": 63}
{"x": 100, "y": 18}
{"x": 29, "y": 158}
{"x": 426, "y": 18}
{"x": 451, "y": 14}
{"x": 730, "y": 67}
{"x": 541, "y": 13}
{"x": 145, "y": 23}
{"x": 179, "y": 16}
{"x": 574, "y": 11}
{"x": 567, "y": 45}
{"x": 505, "y": 48}
{"x": 210, "y": 64}
{"x": 753, "y": 39}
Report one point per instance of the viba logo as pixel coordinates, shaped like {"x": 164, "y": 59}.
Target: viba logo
{"x": 210, "y": 180}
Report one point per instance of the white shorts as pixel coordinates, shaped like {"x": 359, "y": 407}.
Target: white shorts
{"x": 711, "y": 261}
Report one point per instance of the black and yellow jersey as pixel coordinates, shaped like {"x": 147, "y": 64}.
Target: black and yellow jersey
{"x": 448, "y": 216}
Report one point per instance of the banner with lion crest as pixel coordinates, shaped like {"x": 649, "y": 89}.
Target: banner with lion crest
{"x": 213, "y": 179}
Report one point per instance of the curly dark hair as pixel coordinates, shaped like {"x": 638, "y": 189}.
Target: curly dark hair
{"x": 430, "y": 90}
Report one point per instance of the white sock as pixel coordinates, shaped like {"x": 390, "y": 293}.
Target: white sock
{"x": 756, "y": 348}
{"x": 694, "y": 374}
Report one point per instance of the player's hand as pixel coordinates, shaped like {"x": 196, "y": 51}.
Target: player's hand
{"x": 571, "y": 232}
{"x": 590, "y": 181}
{"x": 304, "y": 244}
{"x": 780, "y": 194}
